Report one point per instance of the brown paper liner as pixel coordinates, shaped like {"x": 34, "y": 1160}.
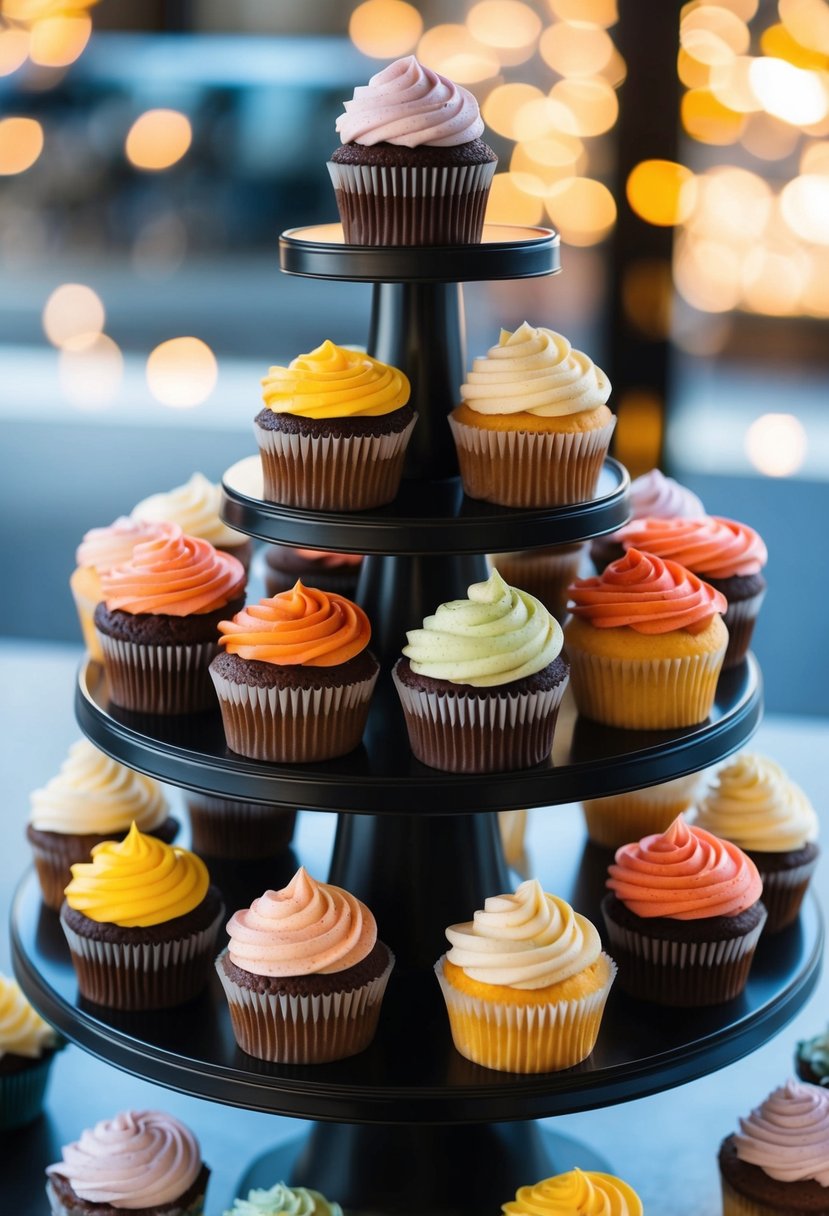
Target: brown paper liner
{"x": 159, "y": 679}
{"x": 546, "y": 574}
{"x": 332, "y": 472}
{"x": 645, "y": 694}
{"x": 82, "y": 1208}
{"x": 734, "y": 1204}
{"x": 740, "y": 619}
{"x": 530, "y": 468}
{"x": 222, "y": 827}
{"x": 621, "y": 818}
{"x": 783, "y": 892}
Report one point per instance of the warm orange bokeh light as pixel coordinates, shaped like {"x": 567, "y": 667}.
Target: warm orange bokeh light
{"x": 544, "y": 117}
{"x": 692, "y": 73}
{"x": 707, "y": 273}
{"x": 769, "y": 138}
{"x": 182, "y": 372}
{"x": 804, "y": 205}
{"x": 731, "y": 85}
{"x": 385, "y": 29}
{"x": 733, "y": 205}
{"x": 815, "y": 158}
{"x": 537, "y": 165}
{"x": 708, "y": 120}
{"x": 91, "y": 376}
{"x": 509, "y": 204}
{"x": 576, "y": 50}
{"x": 773, "y": 280}
{"x": 157, "y": 139}
{"x": 14, "y": 49}
{"x": 73, "y": 316}
{"x": 503, "y": 105}
{"x": 797, "y": 96}
{"x": 591, "y": 101}
{"x": 58, "y": 41}
{"x": 452, "y": 50}
{"x": 583, "y": 210}
{"x": 21, "y": 143}
{"x": 661, "y": 192}
{"x": 713, "y": 35}
{"x": 807, "y": 21}
{"x": 777, "y": 42}
{"x": 586, "y": 12}
{"x": 505, "y": 25}
{"x": 776, "y": 444}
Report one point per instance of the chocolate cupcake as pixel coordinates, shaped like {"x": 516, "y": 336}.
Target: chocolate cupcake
{"x": 27, "y": 1048}
{"x": 195, "y": 507}
{"x": 304, "y": 974}
{"x": 338, "y": 572}
{"x": 655, "y": 496}
{"x": 412, "y": 168}
{"x": 812, "y": 1059}
{"x": 233, "y": 830}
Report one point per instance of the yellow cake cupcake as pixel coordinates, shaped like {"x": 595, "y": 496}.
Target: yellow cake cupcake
{"x": 525, "y": 983}
{"x": 618, "y": 818}
{"x": 577, "y": 1193}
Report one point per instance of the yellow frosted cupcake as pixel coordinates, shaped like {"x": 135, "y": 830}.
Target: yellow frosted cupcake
{"x": 525, "y": 983}
{"x": 577, "y": 1193}
{"x": 618, "y": 818}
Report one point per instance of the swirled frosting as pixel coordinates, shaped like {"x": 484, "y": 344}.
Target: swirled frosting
{"x": 195, "y": 508}
{"x": 788, "y": 1135}
{"x": 105, "y": 548}
{"x": 752, "y": 803}
{"x": 300, "y": 626}
{"x": 654, "y": 494}
{"x": 577, "y": 1193}
{"x": 710, "y": 545}
{"x": 23, "y": 1032}
{"x": 138, "y": 1159}
{"x": 174, "y": 575}
{"x": 307, "y": 928}
{"x": 282, "y": 1200}
{"x": 685, "y": 874}
{"x": 534, "y": 371}
{"x": 411, "y": 105}
{"x": 498, "y": 635}
{"x": 139, "y": 881}
{"x": 93, "y": 795}
{"x": 646, "y": 594}
{"x": 333, "y": 382}
{"x": 527, "y": 940}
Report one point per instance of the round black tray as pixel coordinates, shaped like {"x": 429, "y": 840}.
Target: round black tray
{"x": 436, "y": 520}
{"x": 383, "y": 778}
{"x": 505, "y": 252}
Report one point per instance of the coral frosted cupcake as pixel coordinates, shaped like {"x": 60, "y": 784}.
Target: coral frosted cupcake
{"x": 655, "y": 496}
{"x": 683, "y": 917}
{"x": 101, "y": 550}
{"x": 334, "y": 430}
{"x": 525, "y": 983}
{"x": 618, "y": 818}
{"x": 545, "y": 573}
{"x": 412, "y": 168}
{"x": 296, "y": 677}
{"x": 282, "y": 1200}
{"x": 646, "y": 643}
{"x": 578, "y": 1193}
{"x": 752, "y": 802}
{"x": 778, "y": 1162}
{"x": 195, "y": 508}
{"x": 812, "y": 1059}
{"x": 158, "y": 620}
{"x": 482, "y": 681}
{"x": 27, "y": 1047}
{"x": 304, "y": 974}
{"x": 144, "y": 1161}
{"x": 90, "y": 800}
{"x": 533, "y": 429}
{"x": 339, "y": 572}
{"x": 728, "y": 555}
{"x": 141, "y": 921}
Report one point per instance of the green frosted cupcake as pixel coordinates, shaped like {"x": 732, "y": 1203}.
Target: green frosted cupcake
{"x": 282, "y": 1200}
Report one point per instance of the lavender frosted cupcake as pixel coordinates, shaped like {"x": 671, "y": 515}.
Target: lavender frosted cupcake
{"x": 655, "y": 495}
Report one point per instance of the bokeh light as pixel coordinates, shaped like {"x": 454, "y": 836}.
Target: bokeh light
{"x": 776, "y": 444}
{"x": 537, "y": 165}
{"x": 592, "y": 102}
{"x": 777, "y": 42}
{"x": 73, "y": 316}
{"x": 509, "y": 204}
{"x": 661, "y": 192}
{"x": 815, "y": 158}
{"x": 576, "y": 50}
{"x": 502, "y": 106}
{"x": 733, "y": 205}
{"x": 647, "y": 291}
{"x": 21, "y": 143}
{"x": 807, "y": 21}
{"x": 773, "y": 280}
{"x": 583, "y": 210}
{"x": 705, "y": 118}
{"x": 91, "y": 377}
{"x": 385, "y": 29}
{"x": 804, "y": 205}
{"x": 713, "y": 35}
{"x": 692, "y": 73}
{"x": 158, "y": 139}
{"x": 544, "y": 117}
{"x": 603, "y": 13}
{"x": 769, "y": 138}
{"x": 707, "y": 273}
{"x": 793, "y": 94}
{"x": 58, "y": 41}
{"x": 510, "y": 27}
{"x": 452, "y": 50}
{"x": 731, "y": 85}
{"x": 182, "y": 372}
{"x": 14, "y": 49}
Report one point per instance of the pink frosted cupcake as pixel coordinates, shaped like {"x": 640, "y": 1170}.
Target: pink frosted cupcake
{"x": 653, "y": 495}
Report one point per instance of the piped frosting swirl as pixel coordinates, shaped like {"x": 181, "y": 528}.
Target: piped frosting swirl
{"x": 710, "y": 545}
{"x": 684, "y": 874}
{"x": 174, "y": 575}
{"x": 410, "y": 105}
{"x": 103, "y": 549}
{"x": 577, "y": 1193}
{"x": 23, "y": 1031}
{"x": 654, "y": 494}
{"x": 787, "y": 1136}
{"x": 307, "y": 928}
{"x": 302, "y": 626}
{"x": 195, "y": 508}
{"x": 138, "y": 1159}
{"x": 534, "y": 371}
{"x": 282, "y": 1200}
{"x": 334, "y": 382}
{"x": 94, "y": 795}
{"x": 752, "y": 803}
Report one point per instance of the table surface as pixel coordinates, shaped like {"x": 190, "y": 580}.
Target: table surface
{"x": 665, "y": 1145}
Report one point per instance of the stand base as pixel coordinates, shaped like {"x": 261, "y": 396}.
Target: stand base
{"x": 421, "y": 1171}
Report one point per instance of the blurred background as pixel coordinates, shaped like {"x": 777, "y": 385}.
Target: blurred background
{"x": 151, "y": 152}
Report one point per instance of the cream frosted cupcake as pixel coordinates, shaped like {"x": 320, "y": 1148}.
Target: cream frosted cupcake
{"x": 195, "y": 508}
{"x": 578, "y": 1193}
{"x": 752, "y": 803}
{"x": 614, "y": 820}
{"x": 27, "y": 1046}
{"x": 282, "y": 1200}
{"x": 533, "y": 429}
{"x": 90, "y": 800}
{"x": 482, "y": 681}
{"x": 525, "y": 983}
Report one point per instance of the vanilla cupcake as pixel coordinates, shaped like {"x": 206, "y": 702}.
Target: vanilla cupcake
{"x": 617, "y": 818}
{"x": 195, "y": 508}
{"x": 101, "y": 550}
{"x": 27, "y": 1047}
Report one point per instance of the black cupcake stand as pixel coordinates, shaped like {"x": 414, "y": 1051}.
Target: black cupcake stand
{"x": 410, "y": 1127}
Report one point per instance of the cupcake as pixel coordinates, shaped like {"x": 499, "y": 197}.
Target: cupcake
{"x": 646, "y": 644}
{"x": 728, "y": 555}
{"x": 238, "y": 831}
{"x": 545, "y": 573}
{"x": 618, "y": 818}
{"x": 195, "y": 508}
{"x": 141, "y": 921}
{"x": 683, "y": 917}
{"x": 533, "y": 428}
{"x": 101, "y": 550}
{"x": 655, "y": 496}
{"x": 338, "y": 572}
{"x": 139, "y": 1160}
{"x": 27, "y": 1047}
{"x": 752, "y": 803}
{"x": 304, "y": 974}
{"x": 334, "y": 430}
{"x": 481, "y": 683}
{"x": 525, "y": 983}
{"x": 812, "y": 1059}
{"x": 295, "y": 678}
{"x": 282, "y": 1200}
{"x": 91, "y": 799}
{"x": 578, "y": 1193}
{"x": 158, "y": 619}
{"x": 412, "y": 168}
{"x": 778, "y": 1162}
{"x": 512, "y": 827}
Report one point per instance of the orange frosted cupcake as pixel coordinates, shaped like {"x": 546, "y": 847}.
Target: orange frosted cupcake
{"x": 646, "y": 644}
{"x": 296, "y": 676}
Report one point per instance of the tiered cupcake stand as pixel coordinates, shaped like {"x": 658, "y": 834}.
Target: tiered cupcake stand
{"x": 410, "y": 1126}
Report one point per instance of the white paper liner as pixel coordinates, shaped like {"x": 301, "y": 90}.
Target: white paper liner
{"x": 620, "y": 818}
{"x": 287, "y": 1029}
{"x": 682, "y": 955}
{"x": 530, "y": 468}
{"x": 778, "y": 888}
{"x": 645, "y": 694}
{"x": 411, "y": 181}
{"x": 58, "y": 1209}
{"x": 525, "y": 1038}
{"x": 158, "y": 679}
{"x": 545, "y": 574}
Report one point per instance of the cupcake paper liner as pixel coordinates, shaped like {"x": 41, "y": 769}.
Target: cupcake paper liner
{"x": 288, "y": 1029}
{"x": 645, "y": 694}
{"x": 544, "y": 575}
{"x": 146, "y": 975}
{"x": 461, "y": 734}
{"x": 740, "y": 619}
{"x": 223, "y": 827}
{"x": 734, "y": 1204}
{"x": 412, "y": 204}
{"x": 525, "y": 1038}
{"x": 332, "y": 472}
{"x": 159, "y": 679}
{"x": 86, "y": 612}
{"x": 293, "y": 725}
{"x": 196, "y": 1208}
{"x": 22, "y": 1093}
{"x": 530, "y": 468}
{"x": 783, "y": 892}
{"x": 620, "y": 818}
